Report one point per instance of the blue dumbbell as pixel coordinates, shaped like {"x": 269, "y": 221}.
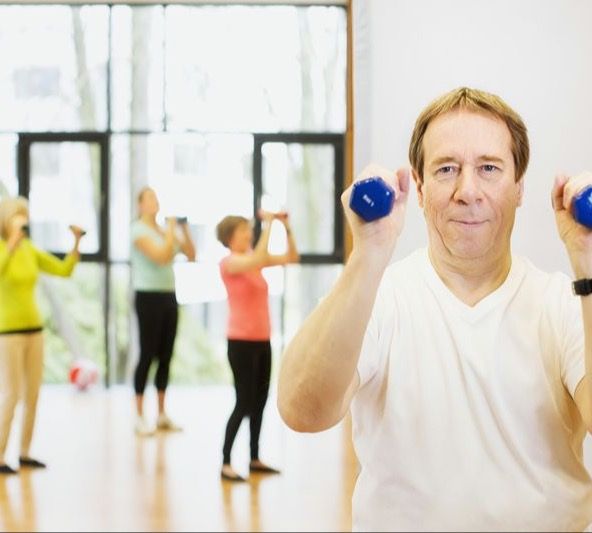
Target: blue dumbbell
{"x": 372, "y": 198}
{"x": 581, "y": 207}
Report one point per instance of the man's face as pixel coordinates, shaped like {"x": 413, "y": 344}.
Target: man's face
{"x": 469, "y": 194}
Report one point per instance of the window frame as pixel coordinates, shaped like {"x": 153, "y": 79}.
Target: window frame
{"x": 337, "y": 141}
{"x": 26, "y": 140}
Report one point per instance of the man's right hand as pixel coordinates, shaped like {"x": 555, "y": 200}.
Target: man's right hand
{"x": 379, "y": 237}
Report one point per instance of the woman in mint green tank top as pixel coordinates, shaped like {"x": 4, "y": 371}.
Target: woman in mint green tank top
{"x": 152, "y": 254}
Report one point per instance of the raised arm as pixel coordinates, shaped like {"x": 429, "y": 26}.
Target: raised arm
{"x": 259, "y": 257}
{"x": 187, "y": 245}
{"x": 291, "y": 255}
{"x": 318, "y": 375}
{"x": 51, "y": 264}
{"x": 578, "y": 242}
{"x": 161, "y": 254}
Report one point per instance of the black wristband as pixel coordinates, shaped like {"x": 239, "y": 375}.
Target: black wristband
{"x": 582, "y": 287}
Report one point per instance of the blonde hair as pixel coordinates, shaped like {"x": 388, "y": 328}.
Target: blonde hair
{"x": 226, "y": 227}
{"x": 10, "y": 207}
{"x": 476, "y": 101}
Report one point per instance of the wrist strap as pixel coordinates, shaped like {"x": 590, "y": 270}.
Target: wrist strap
{"x": 582, "y": 287}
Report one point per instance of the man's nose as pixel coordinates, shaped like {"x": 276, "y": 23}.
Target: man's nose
{"x": 468, "y": 188}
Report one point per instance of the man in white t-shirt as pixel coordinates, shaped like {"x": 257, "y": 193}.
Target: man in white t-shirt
{"x": 468, "y": 371}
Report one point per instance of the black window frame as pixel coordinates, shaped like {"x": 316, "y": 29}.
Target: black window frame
{"x": 25, "y": 140}
{"x": 337, "y": 141}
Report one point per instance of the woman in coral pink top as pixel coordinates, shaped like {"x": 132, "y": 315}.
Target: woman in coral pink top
{"x": 249, "y": 330}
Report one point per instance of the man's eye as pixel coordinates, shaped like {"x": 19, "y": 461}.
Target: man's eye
{"x": 489, "y": 168}
{"x": 445, "y": 170}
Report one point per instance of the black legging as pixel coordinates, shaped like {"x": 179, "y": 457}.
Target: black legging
{"x": 157, "y": 320}
{"x": 251, "y": 366}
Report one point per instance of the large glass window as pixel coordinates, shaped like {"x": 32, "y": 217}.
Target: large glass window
{"x": 198, "y": 102}
{"x": 137, "y": 68}
{"x": 247, "y": 68}
{"x": 64, "y": 189}
{"x": 74, "y": 320}
{"x": 54, "y": 68}
{"x": 300, "y": 179}
{"x": 202, "y": 177}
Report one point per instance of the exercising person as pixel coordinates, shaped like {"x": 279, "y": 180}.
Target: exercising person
{"x": 468, "y": 370}
{"x": 21, "y": 324}
{"x": 249, "y": 326}
{"x": 153, "y": 279}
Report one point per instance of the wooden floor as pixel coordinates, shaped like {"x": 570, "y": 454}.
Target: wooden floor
{"x": 101, "y": 477}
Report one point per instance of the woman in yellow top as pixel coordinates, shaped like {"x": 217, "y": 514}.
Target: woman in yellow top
{"x": 21, "y": 340}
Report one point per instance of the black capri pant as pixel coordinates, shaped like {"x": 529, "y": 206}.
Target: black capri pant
{"x": 158, "y": 315}
{"x": 251, "y": 367}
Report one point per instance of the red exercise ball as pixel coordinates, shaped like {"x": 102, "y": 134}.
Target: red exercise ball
{"x": 83, "y": 373}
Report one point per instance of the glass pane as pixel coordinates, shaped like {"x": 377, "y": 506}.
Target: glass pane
{"x": 123, "y": 156}
{"x": 65, "y": 189}
{"x": 301, "y": 179}
{"x": 199, "y": 356}
{"x": 305, "y": 286}
{"x": 254, "y": 68}
{"x": 74, "y": 320}
{"x": 8, "y": 176}
{"x": 137, "y": 62}
{"x": 203, "y": 177}
{"x": 121, "y": 340}
{"x": 276, "y": 281}
{"x": 200, "y": 347}
{"x": 54, "y": 77}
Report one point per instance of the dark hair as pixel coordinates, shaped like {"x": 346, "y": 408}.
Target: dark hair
{"x": 226, "y": 227}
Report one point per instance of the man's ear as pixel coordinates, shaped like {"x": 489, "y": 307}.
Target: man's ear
{"x": 520, "y": 185}
{"x": 418, "y": 185}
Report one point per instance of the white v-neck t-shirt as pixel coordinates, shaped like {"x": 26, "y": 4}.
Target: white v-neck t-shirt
{"x": 465, "y": 418}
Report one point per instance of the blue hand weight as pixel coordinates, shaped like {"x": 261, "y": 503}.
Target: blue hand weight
{"x": 581, "y": 207}
{"x": 372, "y": 198}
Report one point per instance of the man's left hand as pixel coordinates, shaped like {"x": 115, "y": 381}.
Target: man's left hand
{"x": 576, "y": 237}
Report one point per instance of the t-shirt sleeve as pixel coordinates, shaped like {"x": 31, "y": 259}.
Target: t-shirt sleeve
{"x": 573, "y": 363}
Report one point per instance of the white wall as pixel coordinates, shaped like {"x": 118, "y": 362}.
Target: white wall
{"x": 536, "y": 54}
